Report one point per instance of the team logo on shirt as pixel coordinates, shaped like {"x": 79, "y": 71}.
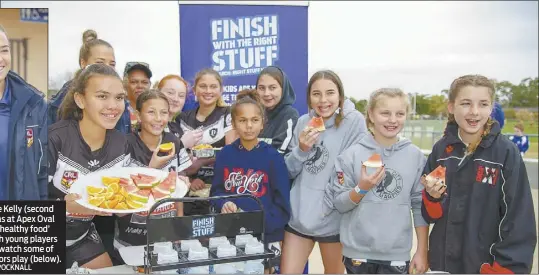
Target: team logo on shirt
{"x": 340, "y": 177}
{"x": 29, "y": 137}
{"x": 485, "y": 174}
{"x": 213, "y": 132}
{"x": 390, "y": 187}
{"x": 68, "y": 178}
{"x": 317, "y": 160}
{"x": 250, "y": 182}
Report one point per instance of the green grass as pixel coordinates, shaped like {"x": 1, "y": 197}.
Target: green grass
{"x": 426, "y": 142}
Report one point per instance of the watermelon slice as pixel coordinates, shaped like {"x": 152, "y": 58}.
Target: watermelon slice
{"x": 374, "y": 161}
{"x": 131, "y": 188}
{"x": 144, "y": 181}
{"x": 439, "y": 172}
{"x": 140, "y": 196}
{"x": 126, "y": 182}
{"x": 158, "y": 195}
{"x": 317, "y": 123}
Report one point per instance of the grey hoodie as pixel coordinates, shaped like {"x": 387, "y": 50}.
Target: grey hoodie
{"x": 282, "y": 119}
{"x": 311, "y": 173}
{"x": 380, "y": 226}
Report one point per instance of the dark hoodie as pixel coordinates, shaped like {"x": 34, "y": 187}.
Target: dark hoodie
{"x": 281, "y": 120}
{"x": 260, "y": 172}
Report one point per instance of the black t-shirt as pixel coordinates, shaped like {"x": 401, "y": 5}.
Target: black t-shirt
{"x": 131, "y": 229}
{"x": 70, "y": 159}
{"x": 215, "y": 127}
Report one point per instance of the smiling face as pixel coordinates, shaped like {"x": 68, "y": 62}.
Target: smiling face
{"x": 471, "y": 108}
{"x": 324, "y": 97}
{"x": 103, "y": 101}
{"x": 100, "y": 54}
{"x": 269, "y": 90}
{"x": 207, "y": 90}
{"x": 154, "y": 116}
{"x": 388, "y": 116}
{"x": 5, "y": 56}
{"x": 176, "y": 91}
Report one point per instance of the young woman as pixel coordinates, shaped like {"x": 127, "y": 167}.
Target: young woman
{"x": 376, "y": 227}
{"x": 249, "y": 166}
{"x": 153, "y": 113}
{"x": 277, "y": 96}
{"x": 83, "y": 142}
{"x": 482, "y": 211}
{"x": 174, "y": 87}
{"x": 310, "y": 164}
{"x": 213, "y": 118}
{"x": 92, "y": 51}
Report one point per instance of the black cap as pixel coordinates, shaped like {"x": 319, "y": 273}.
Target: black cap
{"x": 143, "y": 66}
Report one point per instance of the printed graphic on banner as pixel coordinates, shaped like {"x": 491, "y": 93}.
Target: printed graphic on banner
{"x": 239, "y": 41}
{"x": 203, "y": 226}
{"x": 245, "y": 45}
{"x": 32, "y": 237}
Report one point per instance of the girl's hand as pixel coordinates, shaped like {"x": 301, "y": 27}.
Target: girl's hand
{"x": 419, "y": 263}
{"x": 229, "y": 207}
{"x": 367, "y": 182}
{"x": 158, "y": 162}
{"x": 74, "y": 208}
{"x": 197, "y": 184}
{"x": 307, "y": 138}
{"x": 435, "y": 188}
{"x": 191, "y": 138}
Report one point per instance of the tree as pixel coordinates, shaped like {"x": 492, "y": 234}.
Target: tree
{"x": 361, "y": 105}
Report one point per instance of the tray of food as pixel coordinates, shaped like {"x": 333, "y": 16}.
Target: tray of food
{"x": 128, "y": 189}
{"x": 204, "y": 151}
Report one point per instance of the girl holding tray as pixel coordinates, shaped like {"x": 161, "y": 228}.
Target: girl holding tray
{"x": 152, "y": 109}
{"x": 82, "y": 142}
{"x": 249, "y": 166}
{"x": 213, "y": 117}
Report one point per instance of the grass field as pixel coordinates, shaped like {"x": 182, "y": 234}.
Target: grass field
{"x": 419, "y": 131}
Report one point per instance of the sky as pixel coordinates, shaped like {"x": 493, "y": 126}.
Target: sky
{"x": 419, "y": 47}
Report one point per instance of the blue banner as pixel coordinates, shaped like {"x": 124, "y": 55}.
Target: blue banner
{"x": 239, "y": 41}
{"x": 35, "y": 15}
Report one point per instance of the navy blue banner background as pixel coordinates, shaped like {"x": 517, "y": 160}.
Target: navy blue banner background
{"x": 288, "y": 43}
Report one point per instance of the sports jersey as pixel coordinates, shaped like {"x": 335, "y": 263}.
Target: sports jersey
{"x": 71, "y": 159}
{"x": 131, "y": 229}
{"x": 214, "y": 128}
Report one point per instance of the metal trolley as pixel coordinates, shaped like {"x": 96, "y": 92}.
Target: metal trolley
{"x": 203, "y": 227}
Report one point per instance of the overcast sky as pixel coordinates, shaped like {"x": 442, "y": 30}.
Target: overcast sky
{"x": 417, "y": 46}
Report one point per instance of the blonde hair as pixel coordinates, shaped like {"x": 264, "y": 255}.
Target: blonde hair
{"x": 375, "y": 98}
{"x": 456, "y": 87}
{"x": 203, "y": 72}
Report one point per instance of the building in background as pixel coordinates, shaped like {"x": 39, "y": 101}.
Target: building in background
{"x": 28, "y": 33}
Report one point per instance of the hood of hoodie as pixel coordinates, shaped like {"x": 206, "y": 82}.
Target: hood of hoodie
{"x": 288, "y": 97}
{"x": 368, "y": 142}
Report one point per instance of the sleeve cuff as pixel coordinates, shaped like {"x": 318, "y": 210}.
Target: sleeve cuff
{"x": 300, "y": 155}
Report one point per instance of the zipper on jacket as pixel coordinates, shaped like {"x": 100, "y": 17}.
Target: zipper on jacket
{"x": 40, "y": 156}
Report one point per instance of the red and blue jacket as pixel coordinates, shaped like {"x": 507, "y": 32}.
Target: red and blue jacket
{"x": 486, "y": 222}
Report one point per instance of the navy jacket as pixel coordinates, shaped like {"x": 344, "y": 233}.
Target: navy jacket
{"x": 27, "y": 141}
{"x": 123, "y": 125}
{"x": 260, "y": 172}
{"x": 486, "y": 223}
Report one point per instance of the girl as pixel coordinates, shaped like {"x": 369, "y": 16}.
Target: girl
{"x": 153, "y": 113}
{"x": 483, "y": 212}
{"x": 520, "y": 140}
{"x": 249, "y": 166}
{"x": 376, "y": 228}
{"x": 83, "y": 142}
{"x": 174, "y": 87}
{"x": 213, "y": 117}
{"x": 310, "y": 165}
{"x": 277, "y": 96}
{"x": 92, "y": 51}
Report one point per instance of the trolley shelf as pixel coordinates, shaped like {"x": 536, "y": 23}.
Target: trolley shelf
{"x": 203, "y": 227}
